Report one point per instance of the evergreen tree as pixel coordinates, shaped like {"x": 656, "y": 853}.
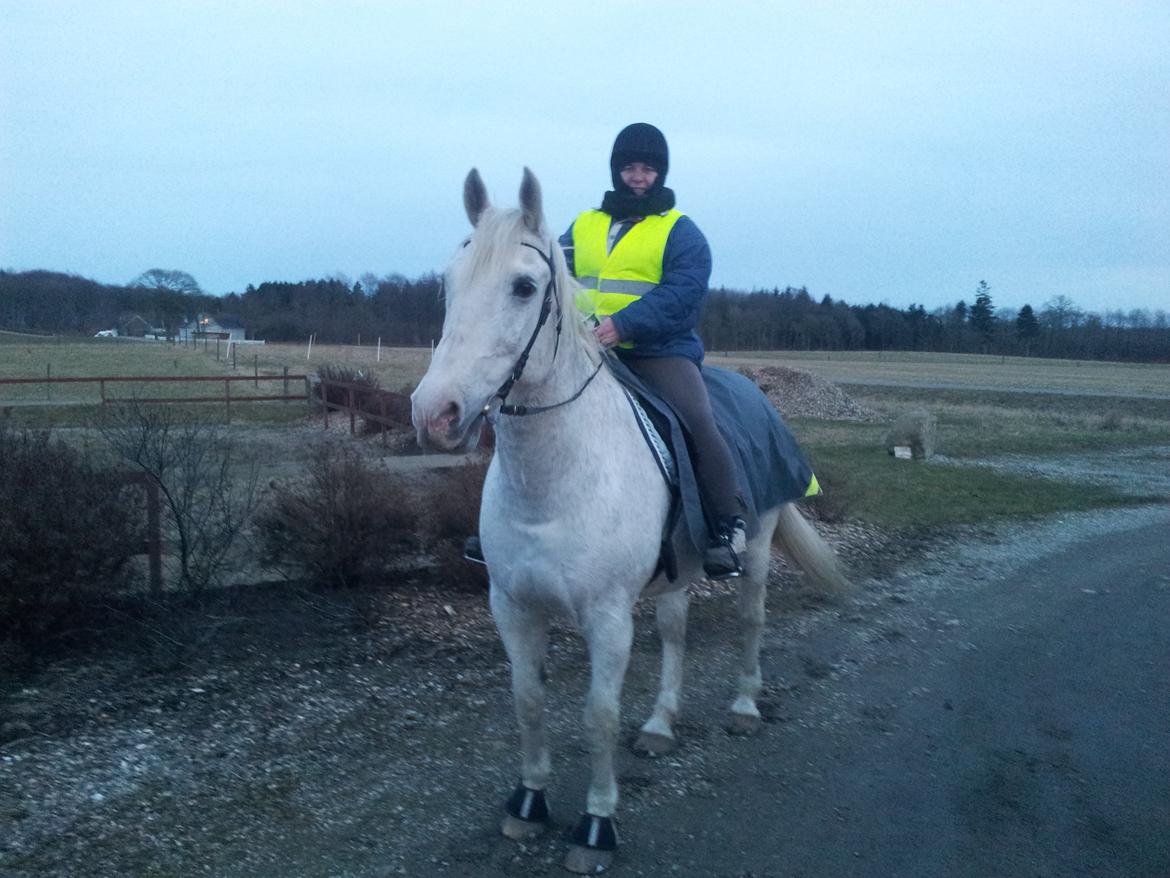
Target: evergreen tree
{"x": 982, "y": 315}
{"x": 1027, "y": 328}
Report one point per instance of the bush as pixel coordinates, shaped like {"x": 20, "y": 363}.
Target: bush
{"x": 453, "y": 516}
{"x": 344, "y": 526}
{"x": 208, "y": 489}
{"x": 68, "y": 530}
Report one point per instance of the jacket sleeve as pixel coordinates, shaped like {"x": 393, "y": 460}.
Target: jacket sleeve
{"x": 566, "y": 242}
{"x": 674, "y": 306}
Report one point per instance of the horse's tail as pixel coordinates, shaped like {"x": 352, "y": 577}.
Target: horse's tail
{"x": 800, "y": 542}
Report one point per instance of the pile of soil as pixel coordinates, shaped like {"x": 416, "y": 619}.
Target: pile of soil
{"x": 797, "y": 394}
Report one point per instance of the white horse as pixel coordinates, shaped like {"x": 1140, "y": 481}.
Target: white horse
{"x": 574, "y": 505}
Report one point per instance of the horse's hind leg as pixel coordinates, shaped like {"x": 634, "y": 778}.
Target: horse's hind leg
{"x": 745, "y": 715}
{"x": 657, "y": 734}
{"x": 525, "y": 637}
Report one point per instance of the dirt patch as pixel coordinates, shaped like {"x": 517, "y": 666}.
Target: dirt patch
{"x": 797, "y": 394}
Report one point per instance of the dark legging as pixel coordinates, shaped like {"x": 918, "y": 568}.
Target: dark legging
{"x": 678, "y": 381}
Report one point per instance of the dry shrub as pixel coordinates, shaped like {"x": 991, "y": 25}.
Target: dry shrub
{"x": 453, "y": 516}
{"x": 344, "y": 526}
{"x": 68, "y": 529}
{"x": 209, "y": 487}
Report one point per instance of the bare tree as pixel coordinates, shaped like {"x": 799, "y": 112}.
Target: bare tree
{"x": 167, "y": 279}
{"x": 1061, "y": 313}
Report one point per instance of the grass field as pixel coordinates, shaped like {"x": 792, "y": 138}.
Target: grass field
{"x": 986, "y": 408}
{"x": 969, "y": 372}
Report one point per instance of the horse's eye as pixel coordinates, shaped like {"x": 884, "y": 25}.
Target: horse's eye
{"x": 523, "y": 287}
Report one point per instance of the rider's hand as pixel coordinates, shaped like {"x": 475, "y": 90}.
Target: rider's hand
{"x": 606, "y": 333}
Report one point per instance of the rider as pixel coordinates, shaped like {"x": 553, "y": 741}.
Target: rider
{"x": 645, "y": 267}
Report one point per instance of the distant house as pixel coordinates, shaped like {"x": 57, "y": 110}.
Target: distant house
{"x": 137, "y": 326}
{"x": 204, "y": 326}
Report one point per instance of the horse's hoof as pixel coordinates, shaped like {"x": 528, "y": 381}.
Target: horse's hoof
{"x": 744, "y": 724}
{"x": 521, "y": 830}
{"x": 654, "y": 744}
{"x": 526, "y": 814}
{"x": 587, "y": 861}
{"x": 593, "y": 842}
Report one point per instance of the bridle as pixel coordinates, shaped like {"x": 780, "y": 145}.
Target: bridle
{"x": 546, "y": 306}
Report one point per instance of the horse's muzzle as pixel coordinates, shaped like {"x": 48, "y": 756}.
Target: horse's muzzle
{"x": 450, "y": 429}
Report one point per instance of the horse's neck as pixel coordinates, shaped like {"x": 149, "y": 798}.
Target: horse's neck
{"x": 562, "y": 451}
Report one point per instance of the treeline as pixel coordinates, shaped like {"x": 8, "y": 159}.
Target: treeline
{"x": 397, "y": 310}
{"x": 791, "y": 319}
{"x": 64, "y": 304}
{"x": 401, "y": 311}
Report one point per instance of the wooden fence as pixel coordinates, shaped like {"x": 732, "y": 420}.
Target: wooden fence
{"x": 387, "y": 409}
{"x": 104, "y": 383}
{"x": 153, "y": 546}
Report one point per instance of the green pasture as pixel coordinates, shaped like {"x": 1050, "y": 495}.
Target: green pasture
{"x": 962, "y": 485}
{"x": 986, "y": 408}
{"x": 74, "y": 404}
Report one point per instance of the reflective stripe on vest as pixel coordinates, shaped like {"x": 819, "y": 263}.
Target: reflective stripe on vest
{"x": 632, "y": 269}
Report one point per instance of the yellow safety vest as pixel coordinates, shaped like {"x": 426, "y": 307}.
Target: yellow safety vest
{"x": 633, "y": 268}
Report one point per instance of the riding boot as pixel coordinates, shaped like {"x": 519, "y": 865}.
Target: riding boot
{"x": 473, "y": 551}
{"x": 723, "y": 558}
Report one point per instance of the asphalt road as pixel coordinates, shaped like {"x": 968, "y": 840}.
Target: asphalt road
{"x": 1017, "y": 727}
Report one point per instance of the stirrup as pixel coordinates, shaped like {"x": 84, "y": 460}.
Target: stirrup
{"x": 473, "y": 551}
{"x": 721, "y": 562}
{"x": 722, "y": 558}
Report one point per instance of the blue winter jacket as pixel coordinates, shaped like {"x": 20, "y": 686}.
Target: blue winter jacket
{"x": 662, "y": 323}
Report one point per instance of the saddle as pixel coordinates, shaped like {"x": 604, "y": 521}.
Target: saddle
{"x": 770, "y": 468}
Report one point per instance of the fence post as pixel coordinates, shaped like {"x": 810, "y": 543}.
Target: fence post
{"x": 349, "y": 404}
{"x": 227, "y": 398}
{"x": 233, "y": 347}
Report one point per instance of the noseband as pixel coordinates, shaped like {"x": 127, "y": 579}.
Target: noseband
{"x": 550, "y": 296}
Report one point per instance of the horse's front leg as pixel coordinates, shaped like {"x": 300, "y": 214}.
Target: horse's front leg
{"x": 594, "y": 839}
{"x": 657, "y": 734}
{"x": 525, "y": 636}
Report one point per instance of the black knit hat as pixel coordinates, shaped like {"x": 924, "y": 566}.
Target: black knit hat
{"x": 640, "y": 142}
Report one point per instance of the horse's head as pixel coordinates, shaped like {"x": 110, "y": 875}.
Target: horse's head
{"x": 504, "y": 277}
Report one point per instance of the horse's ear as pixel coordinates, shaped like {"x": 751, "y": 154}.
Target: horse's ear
{"x": 475, "y": 197}
{"x": 530, "y": 202}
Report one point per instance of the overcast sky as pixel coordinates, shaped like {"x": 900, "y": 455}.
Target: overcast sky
{"x": 873, "y": 152}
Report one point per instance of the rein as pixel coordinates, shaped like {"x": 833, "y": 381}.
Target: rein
{"x": 550, "y": 295}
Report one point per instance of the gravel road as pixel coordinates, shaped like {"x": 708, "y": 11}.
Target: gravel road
{"x": 996, "y": 707}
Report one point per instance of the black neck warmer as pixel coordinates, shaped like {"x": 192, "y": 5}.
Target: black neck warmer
{"x": 623, "y": 205}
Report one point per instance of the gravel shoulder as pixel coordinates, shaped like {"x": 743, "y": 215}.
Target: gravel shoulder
{"x": 294, "y": 732}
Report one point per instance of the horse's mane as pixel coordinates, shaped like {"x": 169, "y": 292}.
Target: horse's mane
{"x": 493, "y": 247}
